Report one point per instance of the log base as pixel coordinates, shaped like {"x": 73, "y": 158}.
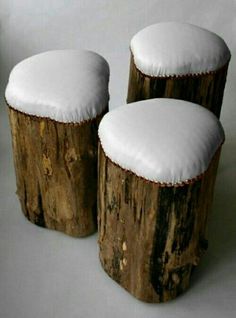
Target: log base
{"x": 206, "y": 89}
{"x": 56, "y": 172}
{"x": 151, "y": 236}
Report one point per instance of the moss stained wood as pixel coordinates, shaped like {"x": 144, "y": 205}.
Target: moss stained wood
{"x": 56, "y": 172}
{"x": 151, "y": 236}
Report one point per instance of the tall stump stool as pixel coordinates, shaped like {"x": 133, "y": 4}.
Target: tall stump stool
{"x": 56, "y": 100}
{"x": 157, "y": 167}
{"x": 181, "y": 61}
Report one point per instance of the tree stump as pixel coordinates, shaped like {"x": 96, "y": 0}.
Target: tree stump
{"x": 56, "y": 100}
{"x": 151, "y": 236}
{"x": 204, "y": 89}
{"x": 157, "y": 167}
{"x": 181, "y": 61}
{"x": 56, "y": 172}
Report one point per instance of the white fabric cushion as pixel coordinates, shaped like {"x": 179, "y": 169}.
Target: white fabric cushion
{"x": 173, "y": 48}
{"x": 64, "y": 85}
{"x": 162, "y": 140}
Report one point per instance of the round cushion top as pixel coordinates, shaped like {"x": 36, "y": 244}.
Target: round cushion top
{"x": 162, "y": 140}
{"x": 64, "y": 85}
{"x": 174, "y": 49}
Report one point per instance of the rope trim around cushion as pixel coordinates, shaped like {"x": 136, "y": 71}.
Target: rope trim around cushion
{"x": 35, "y": 117}
{"x": 181, "y": 76}
{"x": 161, "y": 184}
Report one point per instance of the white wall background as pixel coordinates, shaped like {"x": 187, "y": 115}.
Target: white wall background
{"x": 46, "y": 274}
{"x": 106, "y": 26}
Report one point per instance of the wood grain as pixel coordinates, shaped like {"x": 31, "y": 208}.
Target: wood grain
{"x": 206, "y": 89}
{"x": 151, "y": 236}
{"x": 56, "y": 172}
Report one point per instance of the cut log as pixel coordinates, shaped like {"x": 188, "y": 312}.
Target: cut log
{"x": 204, "y": 89}
{"x": 56, "y": 172}
{"x": 151, "y": 235}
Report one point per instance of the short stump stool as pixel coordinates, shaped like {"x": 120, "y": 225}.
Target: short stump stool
{"x": 56, "y": 100}
{"x": 157, "y": 167}
{"x": 181, "y": 61}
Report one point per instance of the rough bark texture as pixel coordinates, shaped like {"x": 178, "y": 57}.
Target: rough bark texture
{"x": 206, "y": 90}
{"x": 56, "y": 172}
{"x": 151, "y": 236}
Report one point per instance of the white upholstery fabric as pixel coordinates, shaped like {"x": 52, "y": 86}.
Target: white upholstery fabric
{"x": 64, "y": 85}
{"x": 173, "y": 48}
{"x": 162, "y": 140}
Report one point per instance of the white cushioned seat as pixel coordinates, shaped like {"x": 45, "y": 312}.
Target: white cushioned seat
{"x": 174, "y": 48}
{"x": 162, "y": 140}
{"x": 64, "y": 85}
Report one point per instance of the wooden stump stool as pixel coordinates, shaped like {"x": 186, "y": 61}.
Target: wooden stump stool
{"x": 181, "y": 61}
{"x": 56, "y": 100}
{"x": 157, "y": 167}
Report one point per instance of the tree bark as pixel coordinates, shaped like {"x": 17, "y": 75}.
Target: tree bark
{"x": 205, "y": 89}
{"x": 151, "y": 236}
{"x": 56, "y": 172}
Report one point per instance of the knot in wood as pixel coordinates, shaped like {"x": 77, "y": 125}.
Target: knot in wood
{"x": 124, "y": 246}
{"x": 70, "y": 155}
{"x": 124, "y": 261}
{"x": 175, "y": 278}
{"x": 47, "y": 166}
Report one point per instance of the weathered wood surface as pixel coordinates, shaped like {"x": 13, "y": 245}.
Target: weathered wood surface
{"x": 56, "y": 172}
{"x": 151, "y": 236}
{"x": 206, "y": 89}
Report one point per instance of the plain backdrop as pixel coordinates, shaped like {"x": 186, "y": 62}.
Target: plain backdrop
{"x": 47, "y": 274}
